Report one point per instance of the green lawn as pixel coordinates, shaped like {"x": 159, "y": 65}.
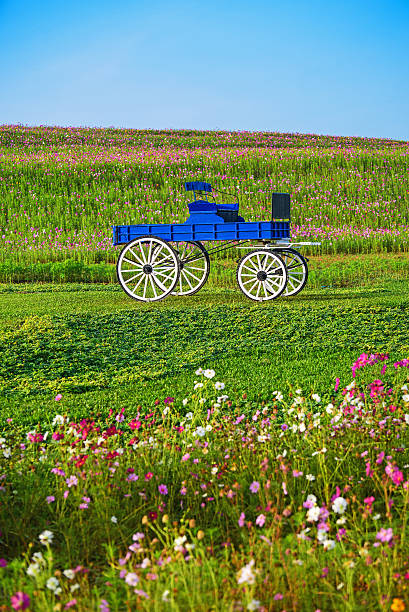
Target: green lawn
{"x": 102, "y": 350}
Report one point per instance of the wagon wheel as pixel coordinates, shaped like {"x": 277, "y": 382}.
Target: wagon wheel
{"x": 194, "y": 267}
{"x": 148, "y": 269}
{"x": 297, "y": 271}
{"x": 261, "y": 275}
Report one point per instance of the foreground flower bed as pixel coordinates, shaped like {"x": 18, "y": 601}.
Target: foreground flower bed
{"x": 298, "y": 504}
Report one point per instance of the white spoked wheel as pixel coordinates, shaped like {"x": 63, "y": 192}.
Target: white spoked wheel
{"x": 194, "y": 267}
{"x": 297, "y": 271}
{"x": 148, "y": 269}
{"x": 262, "y": 275}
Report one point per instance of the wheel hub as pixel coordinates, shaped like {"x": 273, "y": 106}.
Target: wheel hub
{"x": 148, "y": 269}
{"x": 261, "y": 275}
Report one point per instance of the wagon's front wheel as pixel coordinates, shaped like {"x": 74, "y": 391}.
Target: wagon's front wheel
{"x": 261, "y": 275}
{"x": 148, "y": 269}
{"x": 194, "y": 267}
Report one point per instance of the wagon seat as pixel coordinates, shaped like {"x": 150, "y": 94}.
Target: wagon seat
{"x": 203, "y": 211}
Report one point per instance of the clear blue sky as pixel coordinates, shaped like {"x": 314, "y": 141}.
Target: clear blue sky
{"x": 325, "y": 67}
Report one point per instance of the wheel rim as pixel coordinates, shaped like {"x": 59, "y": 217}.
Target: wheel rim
{"x": 297, "y": 272}
{"x": 148, "y": 269}
{"x": 194, "y": 267}
{"x": 262, "y": 275}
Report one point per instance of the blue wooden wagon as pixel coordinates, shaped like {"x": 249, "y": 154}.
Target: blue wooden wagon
{"x": 169, "y": 259}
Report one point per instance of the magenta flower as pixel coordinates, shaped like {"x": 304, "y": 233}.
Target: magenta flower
{"x": 163, "y": 489}
{"x": 278, "y": 596}
{"x": 255, "y": 486}
{"x": 58, "y": 397}
{"x": 3, "y": 563}
{"x": 69, "y": 604}
{"x": 241, "y": 519}
{"x": 20, "y": 600}
{"x": 50, "y": 499}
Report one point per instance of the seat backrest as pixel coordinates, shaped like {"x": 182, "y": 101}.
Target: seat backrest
{"x": 280, "y": 207}
{"x": 198, "y": 186}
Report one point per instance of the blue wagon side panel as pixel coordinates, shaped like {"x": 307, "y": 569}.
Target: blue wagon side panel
{"x": 245, "y": 230}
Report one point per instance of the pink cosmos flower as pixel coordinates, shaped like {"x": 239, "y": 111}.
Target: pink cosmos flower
{"x": 163, "y": 489}
{"x": 385, "y": 535}
{"x": 255, "y": 486}
{"x": 20, "y": 600}
{"x": 58, "y": 397}
{"x": 260, "y": 520}
{"x": 241, "y": 519}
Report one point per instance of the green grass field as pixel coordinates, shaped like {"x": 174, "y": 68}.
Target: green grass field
{"x": 101, "y": 349}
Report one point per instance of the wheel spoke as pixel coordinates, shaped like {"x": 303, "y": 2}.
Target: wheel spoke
{"x": 128, "y": 280}
{"x": 146, "y": 284}
{"x": 134, "y": 263}
{"x": 186, "y": 279}
{"x": 137, "y": 284}
{"x": 187, "y": 271}
{"x": 153, "y": 286}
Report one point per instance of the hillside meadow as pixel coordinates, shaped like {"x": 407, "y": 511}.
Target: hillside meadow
{"x": 205, "y": 452}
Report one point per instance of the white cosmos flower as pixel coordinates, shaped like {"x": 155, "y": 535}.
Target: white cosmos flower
{"x": 200, "y": 431}
{"x": 328, "y": 544}
{"x": 321, "y": 535}
{"x": 58, "y": 419}
{"x": 329, "y": 408}
{"x": 209, "y": 373}
{"x": 69, "y": 573}
{"x": 310, "y": 477}
{"x": 253, "y": 605}
{"x": 33, "y": 569}
{"x": 405, "y": 397}
{"x": 222, "y": 398}
{"x": 185, "y": 401}
{"x": 316, "y": 397}
{"x": 199, "y": 371}
{"x": 209, "y": 427}
{"x": 165, "y": 595}
{"x": 407, "y": 419}
{"x": 197, "y": 386}
{"x": 52, "y": 583}
{"x": 313, "y": 514}
{"x": 339, "y": 505}
{"x": 219, "y": 386}
{"x": 245, "y": 574}
{"x": 46, "y": 537}
{"x": 189, "y": 416}
{"x": 301, "y": 427}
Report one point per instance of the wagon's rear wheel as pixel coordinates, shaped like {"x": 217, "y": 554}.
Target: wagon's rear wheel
{"x": 194, "y": 267}
{"x": 261, "y": 275}
{"x": 297, "y": 271}
{"x": 148, "y": 269}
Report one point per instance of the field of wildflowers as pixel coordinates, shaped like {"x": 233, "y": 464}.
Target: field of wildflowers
{"x": 133, "y": 479}
{"x": 61, "y": 189}
{"x": 195, "y": 505}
